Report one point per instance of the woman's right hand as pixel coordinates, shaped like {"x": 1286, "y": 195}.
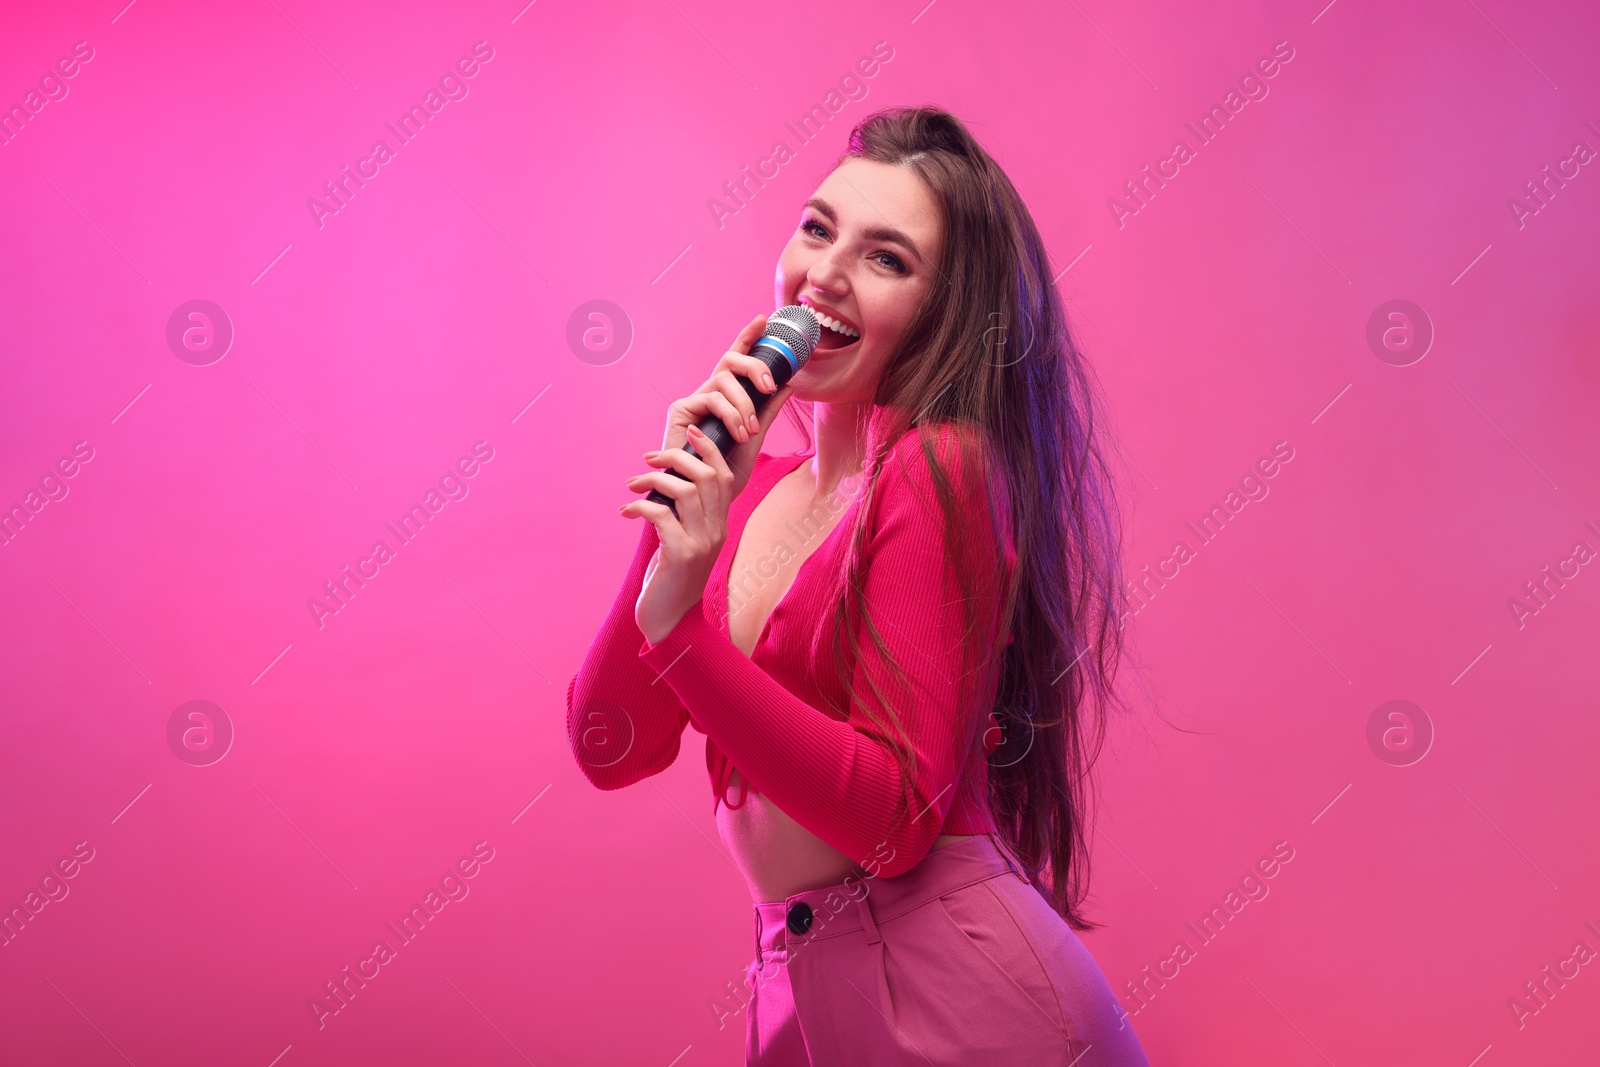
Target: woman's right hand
{"x": 721, "y": 395}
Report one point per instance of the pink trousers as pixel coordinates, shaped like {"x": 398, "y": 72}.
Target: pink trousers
{"x": 958, "y": 961}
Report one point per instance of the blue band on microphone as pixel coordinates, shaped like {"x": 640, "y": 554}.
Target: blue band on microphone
{"x": 773, "y": 342}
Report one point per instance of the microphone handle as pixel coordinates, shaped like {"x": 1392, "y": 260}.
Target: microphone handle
{"x": 713, "y": 427}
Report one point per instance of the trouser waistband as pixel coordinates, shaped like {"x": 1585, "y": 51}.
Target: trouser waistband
{"x": 865, "y": 903}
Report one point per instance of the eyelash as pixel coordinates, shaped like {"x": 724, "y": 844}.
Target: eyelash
{"x": 894, "y": 263}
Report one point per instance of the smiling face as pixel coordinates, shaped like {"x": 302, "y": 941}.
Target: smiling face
{"x": 863, "y": 258}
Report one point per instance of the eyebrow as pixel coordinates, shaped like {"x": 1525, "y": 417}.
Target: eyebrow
{"x": 877, "y": 233}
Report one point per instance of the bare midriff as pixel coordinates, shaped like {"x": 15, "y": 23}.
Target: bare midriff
{"x": 777, "y": 855}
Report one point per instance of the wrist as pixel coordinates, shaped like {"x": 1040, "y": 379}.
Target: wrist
{"x": 657, "y": 630}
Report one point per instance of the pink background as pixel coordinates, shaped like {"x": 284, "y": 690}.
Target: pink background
{"x": 373, "y": 752}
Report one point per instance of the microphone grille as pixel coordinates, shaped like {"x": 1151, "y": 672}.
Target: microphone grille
{"x": 798, "y": 320}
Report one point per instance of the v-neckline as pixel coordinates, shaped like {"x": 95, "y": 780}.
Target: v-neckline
{"x": 788, "y": 466}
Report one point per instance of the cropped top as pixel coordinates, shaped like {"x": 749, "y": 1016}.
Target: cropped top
{"x": 765, "y": 714}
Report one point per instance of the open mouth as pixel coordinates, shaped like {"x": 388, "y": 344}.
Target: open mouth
{"x": 836, "y": 334}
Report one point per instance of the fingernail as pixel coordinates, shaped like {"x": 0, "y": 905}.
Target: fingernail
{"x": 768, "y": 379}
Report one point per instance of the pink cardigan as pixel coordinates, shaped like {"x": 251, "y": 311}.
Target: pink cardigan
{"x": 629, "y": 702}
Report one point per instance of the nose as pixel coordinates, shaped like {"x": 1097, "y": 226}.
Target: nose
{"x": 827, "y": 274}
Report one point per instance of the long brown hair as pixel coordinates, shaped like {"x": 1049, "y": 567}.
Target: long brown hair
{"x": 989, "y": 355}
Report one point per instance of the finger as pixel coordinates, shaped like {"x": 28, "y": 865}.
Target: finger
{"x": 737, "y": 421}
{"x": 749, "y": 335}
{"x": 687, "y": 502}
{"x": 749, "y": 367}
{"x": 716, "y": 491}
{"x": 639, "y": 509}
{"x": 659, "y": 515}
{"x": 692, "y": 466}
{"x": 699, "y": 499}
{"x": 688, "y": 496}
{"x": 685, "y": 494}
{"x": 680, "y": 414}
{"x": 730, "y": 388}
{"x": 707, "y": 400}
{"x": 714, "y": 458}
{"x": 662, "y": 482}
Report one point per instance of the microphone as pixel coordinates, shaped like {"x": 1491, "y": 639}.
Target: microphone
{"x": 792, "y": 333}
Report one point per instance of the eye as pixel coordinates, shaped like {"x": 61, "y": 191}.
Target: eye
{"x": 820, "y": 231}
{"x": 890, "y": 260}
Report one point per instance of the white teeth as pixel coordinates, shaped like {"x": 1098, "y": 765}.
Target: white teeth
{"x": 834, "y": 324}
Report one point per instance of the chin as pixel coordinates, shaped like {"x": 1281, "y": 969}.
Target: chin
{"x": 820, "y": 392}
{"x": 832, "y": 377}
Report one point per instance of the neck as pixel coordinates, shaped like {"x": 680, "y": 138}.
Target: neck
{"x": 839, "y": 431}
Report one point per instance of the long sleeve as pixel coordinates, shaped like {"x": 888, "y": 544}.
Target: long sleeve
{"x": 840, "y": 778}
{"x": 624, "y": 724}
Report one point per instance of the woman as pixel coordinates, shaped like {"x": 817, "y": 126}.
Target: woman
{"x": 898, "y": 642}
